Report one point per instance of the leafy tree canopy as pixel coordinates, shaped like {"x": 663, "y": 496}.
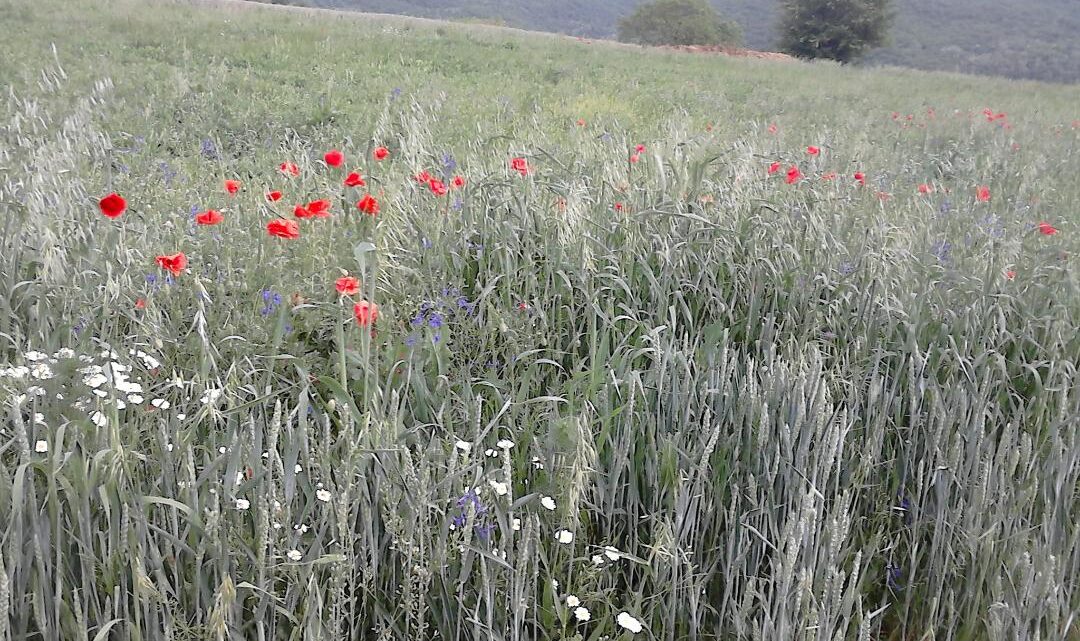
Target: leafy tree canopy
{"x": 678, "y": 22}
{"x": 842, "y": 30}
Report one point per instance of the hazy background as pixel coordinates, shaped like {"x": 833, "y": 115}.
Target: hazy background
{"x": 1035, "y": 39}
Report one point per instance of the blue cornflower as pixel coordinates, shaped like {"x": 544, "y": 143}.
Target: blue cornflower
{"x": 941, "y": 250}
{"x": 892, "y": 577}
{"x": 411, "y": 340}
{"x": 435, "y": 321}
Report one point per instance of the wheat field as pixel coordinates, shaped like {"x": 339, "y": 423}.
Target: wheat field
{"x": 596, "y": 343}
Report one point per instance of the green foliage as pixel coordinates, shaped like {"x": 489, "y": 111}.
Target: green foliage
{"x": 797, "y": 411}
{"x": 678, "y": 22}
{"x": 841, "y": 30}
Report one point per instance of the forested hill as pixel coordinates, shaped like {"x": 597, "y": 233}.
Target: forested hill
{"x": 1037, "y": 39}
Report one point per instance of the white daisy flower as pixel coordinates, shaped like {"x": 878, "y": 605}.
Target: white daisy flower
{"x": 221, "y": 449}
{"x": 41, "y": 447}
{"x": 490, "y": 452}
{"x": 65, "y": 352}
{"x": 169, "y": 447}
{"x": 160, "y": 403}
{"x": 39, "y": 418}
{"x": 95, "y": 380}
{"x": 135, "y": 399}
{"x": 298, "y": 469}
{"x": 582, "y": 614}
{"x": 99, "y": 419}
{"x": 242, "y": 504}
{"x": 597, "y": 559}
{"x": 572, "y": 601}
{"x": 547, "y": 502}
{"x": 294, "y": 555}
{"x": 463, "y": 446}
{"x": 35, "y": 356}
{"x": 612, "y": 553}
{"x": 323, "y": 495}
{"x": 564, "y": 536}
{"x": 500, "y": 489}
{"x": 516, "y": 525}
{"x": 504, "y": 444}
{"x": 210, "y": 396}
{"x": 628, "y": 622}
{"x": 41, "y": 371}
{"x": 181, "y": 417}
{"x": 100, "y": 393}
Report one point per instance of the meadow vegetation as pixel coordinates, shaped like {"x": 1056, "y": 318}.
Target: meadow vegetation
{"x": 696, "y": 347}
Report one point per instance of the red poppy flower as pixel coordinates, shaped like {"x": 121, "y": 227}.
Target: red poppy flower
{"x": 334, "y": 158}
{"x": 112, "y": 205}
{"x": 813, "y": 151}
{"x": 232, "y": 186}
{"x": 773, "y": 129}
{"x": 860, "y": 178}
{"x": 581, "y": 122}
{"x": 176, "y": 263}
{"x": 618, "y": 206}
{"x": 140, "y": 304}
{"x": 289, "y": 168}
{"x": 301, "y": 212}
{"x": 273, "y": 196}
{"x": 1046, "y": 229}
{"x": 380, "y": 153}
{"x": 793, "y": 175}
{"x": 282, "y": 228}
{"x": 209, "y": 217}
{"x": 634, "y": 158}
{"x": 925, "y": 189}
{"x": 982, "y": 194}
{"x": 422, "y": 177}
{"x": 354, "y": 180}
{"x": 458, "y": 182}
{"x": 366, "y": 313}
{"x": 520, "y": 165}
{"x": 773, "y": 168}
{"x": 368, "y": 205}
{"x": 319, "y": 208}
{"x": 1010, "y": 274}
{"x": 437, "y": 186}
{"x": 347, "y": 285}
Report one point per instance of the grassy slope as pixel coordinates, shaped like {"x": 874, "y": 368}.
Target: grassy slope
{"x": 1014, "y": 38}
{"x": 731, "y": 317}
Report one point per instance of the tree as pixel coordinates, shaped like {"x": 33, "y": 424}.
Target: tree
{"x": 841, "y": 30}
{"x": 678, "y": 22}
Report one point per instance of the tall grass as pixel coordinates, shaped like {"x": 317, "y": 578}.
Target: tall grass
{"x": 761, "y": 410}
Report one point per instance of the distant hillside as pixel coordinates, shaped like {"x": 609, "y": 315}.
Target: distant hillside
{"x": 1037, "y": 39}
